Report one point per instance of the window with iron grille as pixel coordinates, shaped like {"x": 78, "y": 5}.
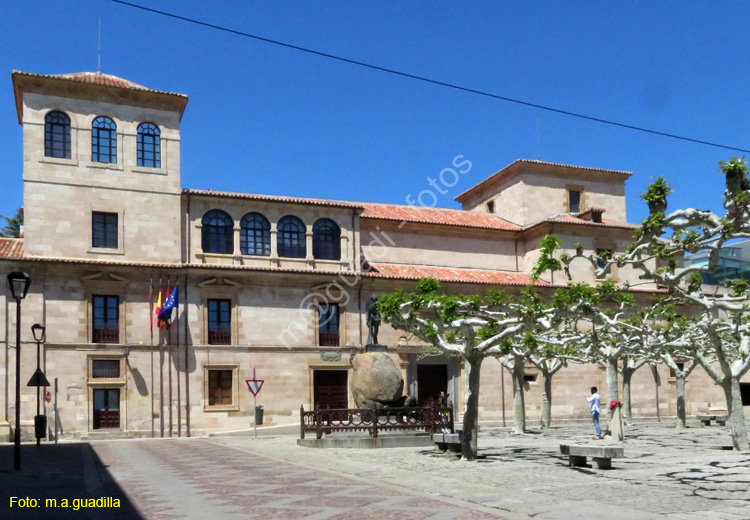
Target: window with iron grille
{"x": 326, "y": 240}
{"x": 328, "y": 324}
{"x": 105, "y": 368}
{"x": 106, "y": 319}
{"x": 104, "y": 229}
{"x": 104, "y": 140}
{"x": 219, "y": 322}
{"x": 220, "y": 387}
{"x": 217, "y": 232}
{"x": 291, "y": 239}
{"x": 149, "y": 145}
{"x": 255, "y": 235}
{"x": 57, "y": 135}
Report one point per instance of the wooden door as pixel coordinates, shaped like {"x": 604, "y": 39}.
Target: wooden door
{"x": 106, "y": 408}
{"x": 330, "y": 390}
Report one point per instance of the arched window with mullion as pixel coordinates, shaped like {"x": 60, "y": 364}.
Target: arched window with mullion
{"x": 57, "y": 135}
{"x": 149, "y": 145}
{"x": 291, "y": 239}
{"x": 255, "y": 235}
{"x": 104, "y": 140}
{"x": 326, "y": 240}
{"x": 217, "y": 232}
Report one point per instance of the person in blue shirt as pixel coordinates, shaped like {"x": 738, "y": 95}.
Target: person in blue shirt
{"x": 595, "y": 402}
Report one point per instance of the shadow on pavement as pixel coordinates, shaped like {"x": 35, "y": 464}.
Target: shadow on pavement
{"x": 53, "y": 474}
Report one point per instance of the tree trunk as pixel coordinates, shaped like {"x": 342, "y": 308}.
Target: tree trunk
{"x": 519, "y": 406}
{"x": 612, "y": 390}
{"x": 472, "y": 367}
{"x": 681, "y": 415}
{"x": 627, "y": 411}
{"x": 736, "y": 414}
{"x": 546, "y": 399}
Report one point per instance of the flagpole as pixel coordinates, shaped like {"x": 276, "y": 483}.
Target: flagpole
{"x": 177, "y": 361}
{"x": 161, "y": 375}
{"x": 187, "y": 365}
{"x": 151, "y": 317}
{"x": 169, "y": 364}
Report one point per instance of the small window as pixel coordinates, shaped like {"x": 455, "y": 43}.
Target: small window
{"x": 673, "y": 373}
{"x": 149, "y": 145}
{"x": 57, "y": 135}
{"x": 217, "y": 233}
{"x": 105, "y": 368}
{"x": 255, "y": 235}
{"x": 219, "y": 322}
{"x": 220, "y": 387}
{"x": 529, "y": 378}
{"x": 602, "y": 257}
{"x": 106, "y": 319}
{"x": 104, "y": 230}
{"x": 574, "y": 201}
{"x": 745, "y": 393}
{"x": 291, "y": 238}
{"x": 326, "y": 240}
{"x": 491, "y": 206}
{"x": 104, "y": 140}
{"x": 328, "y": 324}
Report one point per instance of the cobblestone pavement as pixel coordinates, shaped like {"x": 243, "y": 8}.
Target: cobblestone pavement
{"x": 197, "y": 478}
{"x": 666, "y": 473}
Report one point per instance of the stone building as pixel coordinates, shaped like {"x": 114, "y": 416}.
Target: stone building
{"x": 269, "y": 285}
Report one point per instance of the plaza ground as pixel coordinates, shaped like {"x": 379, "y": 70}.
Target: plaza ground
{"x": 666, "y": 473}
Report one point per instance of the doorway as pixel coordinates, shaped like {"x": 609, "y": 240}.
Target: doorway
{"x": 330, "y": 389}
{"x": 431, "y": 380}
{"x": 106, "y": 408}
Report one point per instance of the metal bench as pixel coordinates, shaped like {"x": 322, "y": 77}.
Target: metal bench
{"x": 706, "y": 419}
{"x": 601, "y": 455}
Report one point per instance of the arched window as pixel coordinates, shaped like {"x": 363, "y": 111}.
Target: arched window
{"x": 291, "y": 238}
{"x": 104, "y": 140}
{"x": 217, "y": 232}
{"x": 255, "y": 235}
{"x": 326, "y": 240}
{"x": 149, "y": 145}
{"x": 57, "y": 135}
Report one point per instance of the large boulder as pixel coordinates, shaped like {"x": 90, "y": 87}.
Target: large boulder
{"x": 375, "y": 378}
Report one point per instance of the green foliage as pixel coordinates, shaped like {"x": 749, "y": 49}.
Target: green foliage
{"x": 657, "y": 193}
{"x": 389, "y": 305}
{"x": 735, "y": 170}
{"x": 427, "y": 286}
{"x": 13, "y": 225}
{"x": 694, "y": 283}
{"x": 547, "y": 261}
{"x": 739, "y": 287}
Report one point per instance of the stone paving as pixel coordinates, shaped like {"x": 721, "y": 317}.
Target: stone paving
{"x": 666, "y": 473}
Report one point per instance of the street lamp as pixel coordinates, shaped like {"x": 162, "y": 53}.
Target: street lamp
{"x": 38, "y": 380}
{"x": 19, "y": 285}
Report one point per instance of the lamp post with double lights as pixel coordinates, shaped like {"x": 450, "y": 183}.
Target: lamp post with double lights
{"x": 38, "y": 380}
{"x": 19, "y": 286}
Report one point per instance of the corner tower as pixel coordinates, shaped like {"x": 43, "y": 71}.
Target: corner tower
{"x": 101, "y": 167}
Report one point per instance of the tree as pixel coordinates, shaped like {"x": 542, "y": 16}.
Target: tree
{"x": 660, "y": 243}
{"x": 472, "y": 326}
{"x": 13, "y": 225}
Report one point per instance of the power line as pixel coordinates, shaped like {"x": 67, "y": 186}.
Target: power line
{"x": 431, "y": 81}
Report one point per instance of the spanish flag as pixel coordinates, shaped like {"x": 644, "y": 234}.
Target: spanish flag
{"x": 157, "y": 310}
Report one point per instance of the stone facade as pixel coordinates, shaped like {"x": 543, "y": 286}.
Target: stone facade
{"x": 181, "y": 380}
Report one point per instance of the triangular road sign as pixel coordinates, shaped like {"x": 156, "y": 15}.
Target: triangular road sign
{"x": 254, "y": 385}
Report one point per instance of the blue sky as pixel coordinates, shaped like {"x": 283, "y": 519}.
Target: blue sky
{"x": 265, "y": 119}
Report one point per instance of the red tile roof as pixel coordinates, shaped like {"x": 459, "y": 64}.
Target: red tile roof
{"x": 273, "y": 198}
{"x": 451, "y": 274}
{"x": 97, "y": 78}
{"x": 465, "y": 196}
{"x": 449, "y": 217}
{"x": 11, "y": 248}
{"x": 573, "y": 219}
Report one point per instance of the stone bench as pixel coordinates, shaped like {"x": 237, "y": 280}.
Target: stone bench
{"x": 447, "y": 441}
{"x": 706, "y": 419}
{"x": 601, "y": 455}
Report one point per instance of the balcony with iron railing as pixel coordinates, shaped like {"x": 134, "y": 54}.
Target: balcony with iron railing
{"x": 219, "y": 337}
{"x": 105, "y": 335}
{"x": 328, "y": 339}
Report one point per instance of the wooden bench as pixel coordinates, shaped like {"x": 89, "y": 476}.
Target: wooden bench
{"x": 601, "y": 455}
{"x": 706, "y": 419}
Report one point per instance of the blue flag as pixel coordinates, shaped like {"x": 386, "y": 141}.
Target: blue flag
{"x": 166, "y": 311}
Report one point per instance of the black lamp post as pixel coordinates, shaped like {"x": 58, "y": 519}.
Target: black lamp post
{"x": 38, "y": 380}
{"x": 19, "y": 285}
